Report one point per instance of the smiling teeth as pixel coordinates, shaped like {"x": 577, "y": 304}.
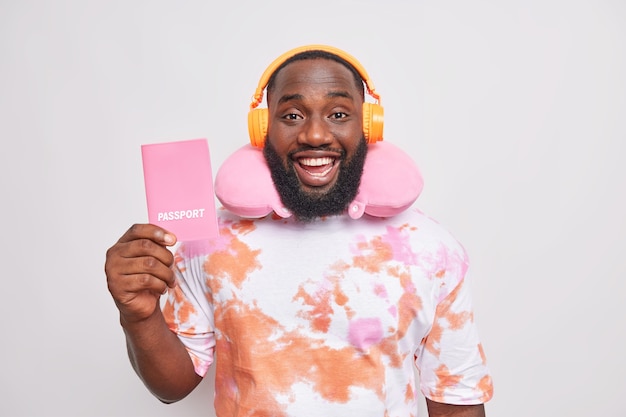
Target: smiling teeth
{"x": 320, "y": 174}
{"x": 316, "y": 162}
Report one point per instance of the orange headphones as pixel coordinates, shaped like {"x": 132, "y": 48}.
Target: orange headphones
{"x": 372, "y": 112}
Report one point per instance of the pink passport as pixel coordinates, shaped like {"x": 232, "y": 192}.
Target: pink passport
{"x": 179, "y": 188}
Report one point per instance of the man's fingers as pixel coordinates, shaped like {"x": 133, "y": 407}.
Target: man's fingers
{"x": 146, "y": 248}
{"x": 127, "y": 287}
{"x": 141, "y": 268}
{"x": 150, "y": 232}
{"x": 145, "y": 282}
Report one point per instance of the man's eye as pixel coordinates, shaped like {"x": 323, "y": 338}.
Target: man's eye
{"x": 338, "y": 115}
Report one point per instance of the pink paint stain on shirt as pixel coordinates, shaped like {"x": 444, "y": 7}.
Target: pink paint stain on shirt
{"x": 365, "y": 332}
{"x": 398, "y": 239}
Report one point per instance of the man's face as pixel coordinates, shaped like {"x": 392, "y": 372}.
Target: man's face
{"x": 315, "y": 147}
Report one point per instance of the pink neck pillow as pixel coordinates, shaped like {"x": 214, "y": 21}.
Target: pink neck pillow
{"x": 391, "y": 182}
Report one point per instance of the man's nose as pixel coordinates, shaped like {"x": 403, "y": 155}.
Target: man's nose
{"x": 315, "y": 132}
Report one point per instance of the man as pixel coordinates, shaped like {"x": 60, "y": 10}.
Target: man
{"x": 315, "y": 314}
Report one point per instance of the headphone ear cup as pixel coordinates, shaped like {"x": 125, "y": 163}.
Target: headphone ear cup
{"x": 373, "y": 117}
{"x": 257, "y": 126}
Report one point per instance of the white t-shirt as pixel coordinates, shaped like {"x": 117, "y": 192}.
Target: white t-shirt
{"x": 331, "y": 317}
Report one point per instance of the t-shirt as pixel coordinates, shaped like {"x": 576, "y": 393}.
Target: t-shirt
{"x": 330, "y": 317}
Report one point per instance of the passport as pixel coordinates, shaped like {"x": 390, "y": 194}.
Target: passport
{"x": 179, "y": 188}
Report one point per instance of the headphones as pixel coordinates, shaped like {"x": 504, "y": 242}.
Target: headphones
{"x": 372, "y": 112}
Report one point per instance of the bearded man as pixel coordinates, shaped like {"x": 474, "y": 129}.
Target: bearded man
{"x": 313, "y": 314}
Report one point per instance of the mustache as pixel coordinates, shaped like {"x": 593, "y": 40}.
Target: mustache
{"x": 327, "y": 148}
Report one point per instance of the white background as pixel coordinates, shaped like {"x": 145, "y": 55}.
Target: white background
{"x": 515, "y": 112}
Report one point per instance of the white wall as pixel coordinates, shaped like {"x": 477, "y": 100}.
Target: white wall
{"x": 514, "y": 111}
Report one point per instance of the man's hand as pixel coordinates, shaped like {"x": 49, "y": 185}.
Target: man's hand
{"x": 449, "y": 410}
{"x": 138, "y": 270}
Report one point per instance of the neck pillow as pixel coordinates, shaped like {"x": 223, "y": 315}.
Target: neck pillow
{"x": 391, "y": 182}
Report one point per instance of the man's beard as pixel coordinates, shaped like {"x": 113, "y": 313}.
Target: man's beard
{"x": 307, "y": 206}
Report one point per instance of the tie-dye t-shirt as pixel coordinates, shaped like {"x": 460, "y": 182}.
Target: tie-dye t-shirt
{"x": 329, "y": 318}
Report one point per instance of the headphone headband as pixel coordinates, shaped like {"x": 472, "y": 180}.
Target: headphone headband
{"x": 258, "y": 94}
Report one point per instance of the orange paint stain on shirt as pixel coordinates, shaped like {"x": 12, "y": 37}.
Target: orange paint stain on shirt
{"x": 456, "y": 320}
{"x": 482, "y": 353}
{"x": 486, "y": 386}
{"x": 320, "y": 304}
{"x": 389, "y": 348}
{"x": 340, "y": 267}
{"x": 409, "y": 306}
{"x": 340, "y": 297}
{"x": 236, "y": 261}
{"x": 178, "y": 261}
{"x": 407, "y": 226}
{"x": 409, "y": 393}
{"x": 185, "y": 311}
{"x": 375, "y": 253}
{"x": 179, "y": 309}
{"x": 247, "y": 370}
{"x": 254, "y": 374}
{"x": 445, "y": 380}
{"x": 339, "y": 370}
{"x": 320, "y": 308}
{"x": 182, "y": 308}
{"x": 433, "y": 339}
{"x": 244, "y": 226}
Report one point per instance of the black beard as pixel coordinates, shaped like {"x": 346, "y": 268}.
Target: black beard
{"x": 307, "y": 206}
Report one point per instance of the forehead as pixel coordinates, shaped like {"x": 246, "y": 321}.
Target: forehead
{"x": 315, "y": 73}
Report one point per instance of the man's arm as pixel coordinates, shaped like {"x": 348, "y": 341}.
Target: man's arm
{"x": 436, "y": 409}
{"x": 160, "y": 359}
{"x": 138, "y": 270}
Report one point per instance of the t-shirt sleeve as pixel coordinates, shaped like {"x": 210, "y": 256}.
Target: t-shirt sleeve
{"x": 451, "y": 360}
{"x": 188, "y": 312}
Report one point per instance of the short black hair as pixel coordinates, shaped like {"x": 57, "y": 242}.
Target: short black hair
{"x": 318, "y": 54}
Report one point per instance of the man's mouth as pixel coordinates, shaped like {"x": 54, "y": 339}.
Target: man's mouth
{"x": 317, "y": 171}
{"x": 317, "y": 167}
